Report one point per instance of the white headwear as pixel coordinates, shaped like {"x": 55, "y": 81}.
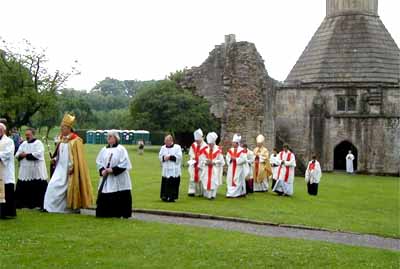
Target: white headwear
{"x": 260, "y": 139}
{"x": 211, "y": 138}
{"x": 198, "y": 134}
{"x": 114, "y": 133}
{"x": 236, "y": 138}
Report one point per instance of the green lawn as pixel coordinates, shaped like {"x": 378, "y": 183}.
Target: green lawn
{"x": 39, "y": 240}
{"x": 364, "y": 204}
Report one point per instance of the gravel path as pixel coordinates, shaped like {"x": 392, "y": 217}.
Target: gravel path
{"x": 353, "y": 239}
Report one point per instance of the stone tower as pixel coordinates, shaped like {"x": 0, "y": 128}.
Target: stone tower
{"x": 235, "y": 82}
{"x": 344, "y": 92}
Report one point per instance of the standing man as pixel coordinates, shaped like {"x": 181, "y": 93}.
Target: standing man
{"x": 275, "y": 163}
{"x": 349, "y": 163}
{"x": 7, "y": 176}
{"x": 237, "y": 162}
{"x": 285, "y": 178}
{"x": 262, "y": 167}
{"x": 32, "y": 177}
{"x": 313, "y": 175}
{"x": 170, "y": 157}
{"x": 212, "y": 163}
{"x": 195, "y": 186}
{"x": 70, "y": 187}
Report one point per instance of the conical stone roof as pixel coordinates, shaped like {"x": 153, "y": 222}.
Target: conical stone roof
{"x": 350, "y": 46}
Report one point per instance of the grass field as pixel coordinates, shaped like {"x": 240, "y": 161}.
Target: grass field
{"x": 364, "y": 204}
{"x": 39, "y": 240}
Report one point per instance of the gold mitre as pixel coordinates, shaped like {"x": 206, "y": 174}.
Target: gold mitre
{"x": 68, "y": 120}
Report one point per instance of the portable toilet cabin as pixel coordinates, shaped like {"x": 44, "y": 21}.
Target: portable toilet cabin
{"x": 125, "y": 137}
{"x": 104, "y": 138}
{"x": 142, "y": 135}
{"x": 98, "y": 137}
{"x": 131, "y": 134}
{"x": 90, "y": 137}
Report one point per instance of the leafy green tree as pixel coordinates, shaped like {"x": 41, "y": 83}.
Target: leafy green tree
{"x": 114, "y": 87}
{"x": 26, "y": 85}
{"x": 166, "y": 107}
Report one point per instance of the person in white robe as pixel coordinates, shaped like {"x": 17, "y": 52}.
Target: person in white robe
{"x": 211, "y": 163}
{"x": 170, "y": 157}
{"x": 7, "y": 175}
{"x": 194, "y": 169}
{"x": 32, "y": 176}
{"x": 350, "y": 162}
{"x": 313, "y": 175}
{"x": 236, "y": 159}
{"x": 285, "y": 179}
{"x": 249, "y": 169}
{"x": 114, "y": 198}
{"x": 275, "y": 163}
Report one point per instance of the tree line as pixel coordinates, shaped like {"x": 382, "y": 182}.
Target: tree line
{"x": 31, "y": 95}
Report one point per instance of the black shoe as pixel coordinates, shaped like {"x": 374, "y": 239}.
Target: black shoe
{"x": 191, "y": 194}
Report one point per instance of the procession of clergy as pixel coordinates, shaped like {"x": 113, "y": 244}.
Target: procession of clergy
{"x": 70, "y": 189}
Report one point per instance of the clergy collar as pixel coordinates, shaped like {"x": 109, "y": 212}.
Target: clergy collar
{"x": 1, "y": 136}
{"x": 172, "y": 145}
{"x": 112, "y": 146}
{"x": 32, "y": 140}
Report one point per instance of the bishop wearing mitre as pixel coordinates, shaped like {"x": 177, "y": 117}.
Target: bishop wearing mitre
{"x": 70, "y": 186}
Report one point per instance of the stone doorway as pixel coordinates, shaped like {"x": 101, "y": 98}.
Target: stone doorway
{"x": 340, "y": 153}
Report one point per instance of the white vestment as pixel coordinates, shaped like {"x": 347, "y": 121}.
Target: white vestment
{"x": 211, "y": 175}
{"x": 169, "y": 168}
{"x": 285, "y": 178}
{"x": 119, "y": 158}
{"x": 313, "y": 174}
{"x": 250, "y": 164}
{"x": 275, "y": 163}
{"x": 7, "y": 171}
{"x": 55, "y": 199}
{"x": 194, "y": 169}
{"x": 349, "y": 163}
{"x": 32, "y": 169}
{"x": 235, "y": 179}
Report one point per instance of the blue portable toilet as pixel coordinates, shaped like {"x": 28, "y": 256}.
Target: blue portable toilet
{"x": 90, "y": 137}
{"x": 98, "y": 136}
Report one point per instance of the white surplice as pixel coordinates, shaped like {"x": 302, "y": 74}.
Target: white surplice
{"x": 285, "y": 177}
{"x": 7, "y": 168}
{"x": 55, "y": 199}
{"x": 211, "y": 175}
{"x": 169, "y": 168}
{"x": 275, "y": 163}
{"x": 32, "y": 169}
{"x": 235, "y": 179}
{"x": 194, "y": 168}
{"x": 313, "y": 173}
{"x": 119, "y": 158}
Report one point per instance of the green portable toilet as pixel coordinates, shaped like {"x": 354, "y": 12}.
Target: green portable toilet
{"x": 142, "y": 135}
{"x": 125, "y": 137}
{"x": 104, "y": 137}
{"x": 131, "y": 134}
{"x": 90, "y": 137}
{"x": 98, "y": 136}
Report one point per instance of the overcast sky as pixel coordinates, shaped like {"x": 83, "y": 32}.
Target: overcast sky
{"x": 148, "y": 39}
